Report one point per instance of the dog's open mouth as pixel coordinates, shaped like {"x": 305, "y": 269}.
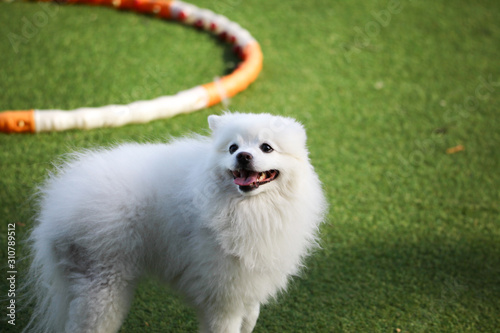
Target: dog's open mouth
{"x": 249, "y": 180}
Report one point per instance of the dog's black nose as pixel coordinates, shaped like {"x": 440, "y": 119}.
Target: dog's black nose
{"x": 244, "y": 158}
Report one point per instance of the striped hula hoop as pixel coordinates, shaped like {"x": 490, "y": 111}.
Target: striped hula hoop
{"x": 185, "y": 101}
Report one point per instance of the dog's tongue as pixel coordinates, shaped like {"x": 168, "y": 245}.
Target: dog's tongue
{"x": 246, "y": 178}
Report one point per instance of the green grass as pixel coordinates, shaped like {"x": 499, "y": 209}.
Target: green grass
{"x": 412, "y": 240}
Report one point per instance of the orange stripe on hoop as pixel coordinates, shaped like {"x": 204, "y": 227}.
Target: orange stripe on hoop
{"x": 159, "y": 7}
{"x": 238, "y": 80}
{"x": 17, "y": 121}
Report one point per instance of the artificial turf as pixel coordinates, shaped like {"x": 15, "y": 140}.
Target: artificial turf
{"x": 384, "y": 88}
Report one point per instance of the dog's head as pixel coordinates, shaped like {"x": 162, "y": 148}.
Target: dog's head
{"x": 258, "y": 152}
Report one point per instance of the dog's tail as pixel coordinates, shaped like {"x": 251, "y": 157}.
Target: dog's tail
{"x": 45, "y": 286}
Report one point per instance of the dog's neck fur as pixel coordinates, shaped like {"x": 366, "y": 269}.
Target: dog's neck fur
{"x": 258, "y": 229}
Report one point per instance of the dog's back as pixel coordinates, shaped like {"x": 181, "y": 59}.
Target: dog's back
{"x": 97, "y": 228}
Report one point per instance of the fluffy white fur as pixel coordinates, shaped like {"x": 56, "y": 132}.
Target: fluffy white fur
{"x": 110, "y": 216}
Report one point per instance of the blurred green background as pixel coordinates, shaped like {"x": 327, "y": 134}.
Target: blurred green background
{"x": 384, "y": 88}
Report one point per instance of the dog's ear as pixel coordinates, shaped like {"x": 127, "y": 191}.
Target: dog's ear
{"x": 214, "y": 122}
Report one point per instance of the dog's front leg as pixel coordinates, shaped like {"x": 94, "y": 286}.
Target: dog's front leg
{"x": 220, "y": 320}
{"x": 250, "y": 318}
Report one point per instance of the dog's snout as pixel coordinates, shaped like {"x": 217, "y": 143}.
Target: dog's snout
{"x": 244, "y": 158}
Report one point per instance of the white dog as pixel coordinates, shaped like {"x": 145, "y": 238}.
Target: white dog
{"x": 226, "y": 220}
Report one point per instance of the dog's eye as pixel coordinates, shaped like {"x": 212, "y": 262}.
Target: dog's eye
{"x": 266, "y": 148}
{"x": 233, "y": 148}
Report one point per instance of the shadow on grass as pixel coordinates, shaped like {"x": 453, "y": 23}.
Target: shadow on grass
{"x": 230, "y": 57}
{"x": 430, "y": 286}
